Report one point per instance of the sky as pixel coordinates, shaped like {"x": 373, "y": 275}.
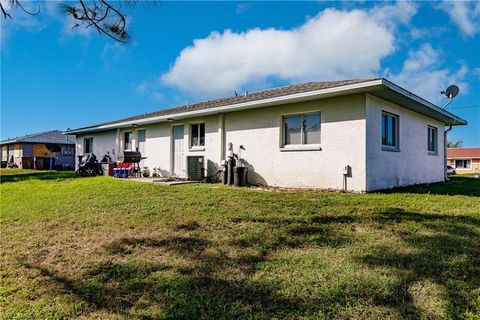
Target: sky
{"x": 53, "y": 77}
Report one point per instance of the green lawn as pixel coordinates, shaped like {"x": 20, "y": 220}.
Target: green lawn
{"x": 106, "y": 249}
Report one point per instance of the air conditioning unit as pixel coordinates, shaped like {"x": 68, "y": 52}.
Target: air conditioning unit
{"x": 195, "y": 165}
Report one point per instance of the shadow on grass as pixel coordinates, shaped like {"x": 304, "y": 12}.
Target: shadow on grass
{"x": 464, "y": 186}
{"x": 40, "y": 175}
{"x": 445, "y": 253}
{"x": 196, "y": 292}
{"x": 216, "y": 278}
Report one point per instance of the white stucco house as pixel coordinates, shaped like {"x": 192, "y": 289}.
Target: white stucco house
{"x": 296, "y": 136}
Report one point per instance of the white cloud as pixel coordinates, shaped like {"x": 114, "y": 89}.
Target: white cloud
{"x": 142, "y": 87}
{"x": 332, "y": 45}
{"x": 422, "y": 75}
{"x": 242, "y": 7}
{"x": 465, "y": 14}
{"x": 150, "y": 89}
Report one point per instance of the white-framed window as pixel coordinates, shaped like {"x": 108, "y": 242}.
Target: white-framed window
{"x": 432, "y": 140}
{"x": 197, "y": 135}
{"x": 127, "y": 140}
{"x": 88, "y": 145}
{"x": 67, "y": 150}
{"x": 463, "y": 164}
{"x": 301, "y": 129}
{"x": 390, "y": 131}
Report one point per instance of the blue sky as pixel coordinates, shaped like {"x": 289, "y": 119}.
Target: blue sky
{"x": 55, "y": 78}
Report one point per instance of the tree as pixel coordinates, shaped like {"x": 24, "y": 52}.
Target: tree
{"x": 455, "y": 144}
{"x": 98, "y": 14}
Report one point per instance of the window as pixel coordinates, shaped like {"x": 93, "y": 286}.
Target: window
{"x": 197, "y": 136}
{"x": 390, "y": 131}
{"x": 127, "y": 140}
{"x": 463, "y": 164}
{"x": 68, "y": 150}
{"x": 88, "y": 145}
{"x": 432, "y": 140}
{"x": 301, "y": 129}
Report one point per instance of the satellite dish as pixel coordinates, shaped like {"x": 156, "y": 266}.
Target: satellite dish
{"x": 52, "y": 147}
{"x": 451, "y": 91}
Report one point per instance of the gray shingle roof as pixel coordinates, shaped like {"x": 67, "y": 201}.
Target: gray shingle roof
{"x": 259, "y": 95}
{"x": 54, "y": 136}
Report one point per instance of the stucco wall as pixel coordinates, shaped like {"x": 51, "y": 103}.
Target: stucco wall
{"x": 259, "y": 130}
{"x": 350, "y": 135}
{"x": 342, "y": 143}
{"x": 103, "y": 142}
{"x": 412, "y": 164}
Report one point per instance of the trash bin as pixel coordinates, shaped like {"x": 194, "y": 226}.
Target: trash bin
{"x": 3, "y": 164}
{"x": 225, "y": 173}
{"x": 39, "y": 163}
{"x": 26, "y": 163}
{"x": 240, "y": 176}
{"x": 230, "y": 165}
{"x": 46, "y": 165}
{"x": 107, "y": 169}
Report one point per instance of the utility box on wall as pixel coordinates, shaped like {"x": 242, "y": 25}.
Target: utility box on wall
{"x": 195, "y": 165}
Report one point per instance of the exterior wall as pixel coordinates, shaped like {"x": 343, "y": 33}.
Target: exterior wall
{"x": 259, "y": 130}
{"x": 103, "y": 142}
{"x": 342, "y": 143}
{"x": 37, "y": 150}
{"x": 158, "y": 148}
{"x": 15, "y": 150}
{"x": 4, "y": 152}
{"x": 412, "y": 164}
{"x": 350, "y": 135}
{"x": 27, "y": 149}
{"x": 474, "y": 167}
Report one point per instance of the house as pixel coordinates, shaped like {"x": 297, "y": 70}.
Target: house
{"x": 360, "y": 135}
{"x": 464, "y": 160}
{"x": 31, "y": 152}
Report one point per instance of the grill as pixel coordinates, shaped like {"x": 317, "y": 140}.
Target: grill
{"x": 130, "y": 162}
{"x": 132, "y": 156}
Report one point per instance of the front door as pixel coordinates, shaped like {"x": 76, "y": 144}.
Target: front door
{"x": 178, "y": 159}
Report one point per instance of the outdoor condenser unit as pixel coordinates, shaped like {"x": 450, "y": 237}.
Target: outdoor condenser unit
{"x": 195, "y": 165}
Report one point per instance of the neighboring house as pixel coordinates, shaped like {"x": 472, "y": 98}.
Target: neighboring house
{"x": 296, "y": 136}
{"x": 464, "y": 160}
{"x": 30, "y": 151}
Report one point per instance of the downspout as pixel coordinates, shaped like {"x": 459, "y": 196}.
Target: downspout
{"x": 445, "y": 151}
{"x": 221, "y": 133}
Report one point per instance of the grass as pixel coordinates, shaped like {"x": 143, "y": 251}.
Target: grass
{"x": 107, "y": 249}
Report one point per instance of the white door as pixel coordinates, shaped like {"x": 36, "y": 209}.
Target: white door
{"x": 141, "y": 145}
{"x": 178, "y": 159}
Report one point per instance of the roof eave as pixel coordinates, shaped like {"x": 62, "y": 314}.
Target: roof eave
{"x": 297, "y": 97}
{"x": 431, "y": 109}
{"x": 373, "y": 86}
